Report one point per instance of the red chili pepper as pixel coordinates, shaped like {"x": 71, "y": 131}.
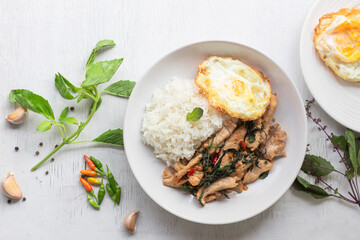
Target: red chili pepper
{"x": 242, "y": 145}
{"x": 191, "y": 172}
{"x": 90, "y": 173}
{"x": 87, "y": 185}
{"x": 215, "y": 159}
{"x": 89, "y": 162}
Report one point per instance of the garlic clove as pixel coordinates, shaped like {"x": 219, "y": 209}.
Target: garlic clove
{"x": 130, "y": 220}
{"x": 10, "y": 187}
{"x": 18, "y": 116}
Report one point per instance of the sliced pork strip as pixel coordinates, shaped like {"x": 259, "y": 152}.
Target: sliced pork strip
{"x": 253, "y": 174}
{"x": 228, "y": 127}
{"x": 275, "y": 147}
{"x": 178, "y": 166}
{"x": 212, "y": 197}
{"x": 241, "y": 169}
{"x": 240, "y": 187}
{"x": 266, "y": 120}
{"x": 199, "y": 192}
{"x": 232, "y": 143}
{"x": 168, "y": 175}
{"x": 225, "y": 132}
{"x": 195, "y": 179}
{"x": 221, "y": 184}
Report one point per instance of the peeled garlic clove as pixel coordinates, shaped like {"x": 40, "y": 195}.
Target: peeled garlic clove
{"x": 18, "y": 116}
{"x": 130, "y": 220}
{"x": 10, "y": 187}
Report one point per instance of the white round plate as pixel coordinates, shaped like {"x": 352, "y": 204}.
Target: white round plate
{"x": 339, "y": 98}
{"x": 262, "y": 193}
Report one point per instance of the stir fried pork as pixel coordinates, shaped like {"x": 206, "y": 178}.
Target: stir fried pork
{"x": 233, "y": 142}
{"x": 168, "y": 175}
{"x": 276, "y": 144}
{"x": 253, "y": 174}
{"x": 221, "y": 184}
{"x": 265, "y": 121}
{"x": 195, "y": 179}
{"x": 221, "y": 165}
{"x": 241, "y": 169}
{"x": 228, "y": 127}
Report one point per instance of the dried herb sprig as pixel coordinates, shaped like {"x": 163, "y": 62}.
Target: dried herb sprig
{"x": 348, "y": 149}
{"x": 95, "y": 73}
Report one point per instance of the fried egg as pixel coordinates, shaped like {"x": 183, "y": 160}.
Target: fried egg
{"x": 337, "y": 41}
{"x": 234, "y": 87}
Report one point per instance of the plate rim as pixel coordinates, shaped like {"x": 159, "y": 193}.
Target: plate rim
{"x": 322, "y": 103}
{"x": 280, "y": 194}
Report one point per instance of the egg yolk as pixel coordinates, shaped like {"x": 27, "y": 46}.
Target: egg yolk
{"x": 238, "y": 87}
{"x": 347, "y": 39}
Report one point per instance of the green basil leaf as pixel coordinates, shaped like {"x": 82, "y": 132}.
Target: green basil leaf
{"x": 195, "y": 115}
{"x": 33, "y": 102}
{"x": 69, "y": 84}
{"x": 70, "y": 120}
{"x": 316, "y": 166}
{"x": 251, "y": 137}
{"x": 317, "y": 192}
{"x": 63, "y": 118}
{"x": 101, "y": 72}
{"x": 101, "y": 44}
{"x": 64, "y": 113}
{"x": 121, "y": 88}
{"x": 264, "y": 175}
{"x": 350, "y": 174}
{"x": 62, "y": 88}
{"x": 350, "y": 137}
{"x": 44, "y": 126}
{"x": 12, "y": 97}
{"x": 114, "y": 137}
{"x": 341, "y": 142}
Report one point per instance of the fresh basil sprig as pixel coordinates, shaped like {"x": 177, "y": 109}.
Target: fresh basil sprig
{"x": 95, "y": 73}
{"x": 348, "y": 149}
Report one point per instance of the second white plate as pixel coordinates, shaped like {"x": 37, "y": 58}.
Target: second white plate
{"x": 339, "y": 98}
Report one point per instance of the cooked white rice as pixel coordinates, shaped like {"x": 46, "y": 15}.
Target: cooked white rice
{"x": 165, "y": 127}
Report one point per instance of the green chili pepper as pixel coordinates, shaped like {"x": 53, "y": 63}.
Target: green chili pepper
{"x": 110, "y": 191}
{"x": 92, "y": 202}
{"x": 118, "y": 194}
{"x": 101, "y": 192}
{"x": 97, "y": 163}
{"x": 92, "y": 192}
{"x": 111, "y": 179}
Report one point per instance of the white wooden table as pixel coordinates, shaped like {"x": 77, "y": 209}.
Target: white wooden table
{"x": 41, "y": 38}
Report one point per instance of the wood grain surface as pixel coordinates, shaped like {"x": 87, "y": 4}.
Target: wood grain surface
{"x": 41, "y": 38}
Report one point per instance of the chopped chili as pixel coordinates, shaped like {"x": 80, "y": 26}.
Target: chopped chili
{"x": 215, "y": 159}
{"x": 242, "y": 145}
{"x": 191, "y": 172}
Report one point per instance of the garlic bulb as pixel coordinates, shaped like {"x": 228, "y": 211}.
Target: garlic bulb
{"x": 130, "y": 220}
{"x": 18, "y": 116}
{"x": 10, "y": 187}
